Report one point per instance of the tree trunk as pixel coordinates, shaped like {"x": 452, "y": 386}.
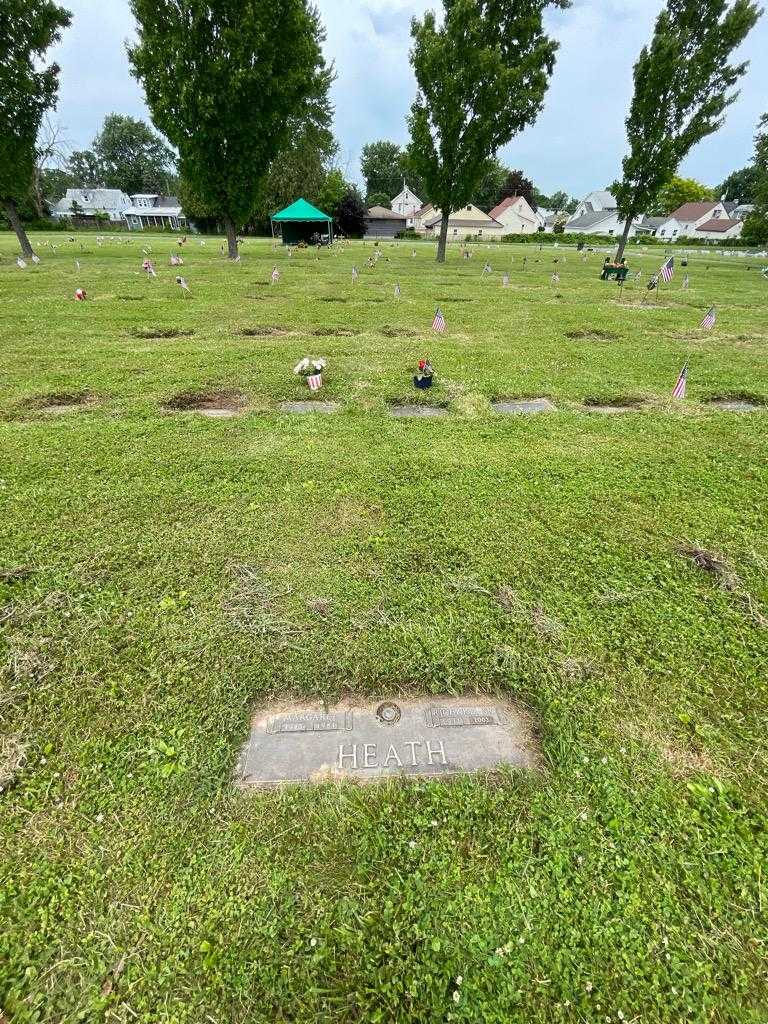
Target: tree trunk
{"x": 443, "y": 237}
{"x": 624, "y": 237}
{"x": 229, "y": 227}
{"x": 13, "y": 216}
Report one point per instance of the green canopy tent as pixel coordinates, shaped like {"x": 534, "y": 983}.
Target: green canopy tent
{"x": 300, "y": 221}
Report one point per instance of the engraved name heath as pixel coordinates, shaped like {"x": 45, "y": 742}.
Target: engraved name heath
{"x": 414, "y": 752}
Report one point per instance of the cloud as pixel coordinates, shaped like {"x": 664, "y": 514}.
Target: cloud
{"x": 576, "y": 144}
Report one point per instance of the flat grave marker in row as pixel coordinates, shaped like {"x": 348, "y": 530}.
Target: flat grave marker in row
{"x": 522, "y": 405}
{"x": 432, "y": 738}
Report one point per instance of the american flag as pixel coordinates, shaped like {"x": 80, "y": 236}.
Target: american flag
{"x": 182, "y": 282}
{"x": 355, "y": 274}
{"x": 315, "y": 381}
{"x": 487, "y": 269}
{"x": 686, "y": 282}
{"x": 679, "y": 391}
{"x": 20, "y": 263}
{"x": 397, "y": 290}
{"x": 438, "y": 324}
{"x": 275, "y": 275}
{"x": 555, "y": 278}
{"x": 668, "y": 269}
{"x": 35, "y": 258}
{"x": 709, "y": 319}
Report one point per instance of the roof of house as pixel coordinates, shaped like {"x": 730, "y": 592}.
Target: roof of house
{"x": 505, "y": 204}
{"x": 424, "y": 210}
{"x": 461, "y": 222}
{"x": 170, "y": 208}
{"x": 718, "y": 224}
{"x": 98, "y": 198}
{"x": 588, "y": 220}
{"x": 655, "y": 222}
{"x": 603, "y": 197}
{"x": 299, "y": 211}
{"x": 692, "y": 211}
{"x": 382, "y": 213}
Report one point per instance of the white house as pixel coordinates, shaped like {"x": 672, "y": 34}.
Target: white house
{"x": 667, "y": 227}
{"x": 718, "y": 228}
{"x": 692, "y": 215}
{"x": 599, "y": 222}
{"x": 109, "y": 203}
{"x": 153, "y": 211}
{"x": 407, "y": 203}
{"x": 597, "y": 201}
{"x": 516, "y": 216}
{"x": 468, "y": 221}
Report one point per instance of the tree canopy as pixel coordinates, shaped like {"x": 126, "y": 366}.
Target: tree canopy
{"x": 678, "y": 191}
{"x": 481, "y": 75}
{"x": 755, "y": 230}
{"x": 740, "y": 186}
{"x": 516, "y": 184}
{"x": 28, "y": 88}
{"x": 132, "y": 157}
{"x": 223, "y": 79}
{"x": 385, "y": 165}
{"x": 683, "y": 85}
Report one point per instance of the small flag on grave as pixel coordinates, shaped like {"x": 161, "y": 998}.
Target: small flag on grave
{"x": 20, "y": 263}
{"x": 668, "y": 269}
{"x": 80, "y": 295}
{"x": 315, "y": 381}
{"x": 355, "y": 274}
{"x": 486, "y": 269}
{"x": 686, "y": 283}
{"x": 555, "y": 278}
{"x": 275, "y": 275}
{"x": 397, "y": 290}
{"x": 679, "y": 390}
{"x": 77, "y": 265}
{"x": 438, "y": 323}
{"x": 35, "y": 258}
{"x": 709, "y": 318}
{"x": 413, "y": 253}
{"x": 182, "y": 283}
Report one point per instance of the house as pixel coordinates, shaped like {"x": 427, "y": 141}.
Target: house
{"x": 461, "y": 223}
{"x": 516, "y": 216}
{"x": 422, "y": 214}
{"x": 691, "y": 215}
{"x": 718, "y": 228}
{"x": 149, "y": 210}
{"x": 383, "y": 223}
{"x": 659, "y": 227}
{"x": 599, "y": 222}
{"x": 407, "y": 203}
{"x": 595, "y": 202}
{"x": 108, "y": 203}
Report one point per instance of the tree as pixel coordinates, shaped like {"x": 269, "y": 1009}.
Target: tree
{"x": 350, "y": 214}
{"x": 739, "y": 187}
{"x": 333, "y": 190}
{"x": 27, "y": 90}
{"x": 755, "y": 230}
{"x": 481, "y": 78}
{"x": 558, "y": 202}
{"x": 486, "y": 192}
{"x": 223, "y": 78}
{"x": 84, "y": 168}
{"x": 516, "y": 184}
{"x": 683, "y": 84}
{"x": 385, "y": 166}
{"x": 678, "y": 191}
{"x": 48, "y": 148}
{"x": 132, "y": 157}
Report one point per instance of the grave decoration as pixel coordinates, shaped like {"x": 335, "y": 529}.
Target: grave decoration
{"x": 312, "y": 372}
{"x": 80, "y": 295}
{"x": 423, "y": 378}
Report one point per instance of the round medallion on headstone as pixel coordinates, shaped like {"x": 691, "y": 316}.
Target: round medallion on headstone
{"x": 388, "y": 712}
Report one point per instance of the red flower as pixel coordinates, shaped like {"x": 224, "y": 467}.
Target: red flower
{"x": 422, "y": 363}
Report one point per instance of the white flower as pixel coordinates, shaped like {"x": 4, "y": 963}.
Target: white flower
{"x": 588, "y": 986}
{"x": 299, "y": 367}
{"x": 99, "y": 818}
{"x": 459, "y": 980}
{"x": 412, "y": 844}
{"x": 456, "y": 996}
{"x": 313, "y": 942}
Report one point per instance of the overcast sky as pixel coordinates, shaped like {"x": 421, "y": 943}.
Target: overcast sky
{"x": 576, "y": 144}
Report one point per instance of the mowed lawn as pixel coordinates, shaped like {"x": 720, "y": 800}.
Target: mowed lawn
{"x": 164, "y": 574}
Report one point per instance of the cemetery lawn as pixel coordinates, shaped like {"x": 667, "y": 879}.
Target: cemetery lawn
{"x": 164, "y": 574}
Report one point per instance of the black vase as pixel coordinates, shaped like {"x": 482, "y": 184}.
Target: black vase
{"x": 422, "y": 381}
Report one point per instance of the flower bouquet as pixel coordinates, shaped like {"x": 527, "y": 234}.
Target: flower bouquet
{"x": 423, "y": 379}
{"x": 312, "y": 372}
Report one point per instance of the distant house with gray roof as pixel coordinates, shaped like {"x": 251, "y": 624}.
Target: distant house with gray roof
{"x": 91, "y": 204}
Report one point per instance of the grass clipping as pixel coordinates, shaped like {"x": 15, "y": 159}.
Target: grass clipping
{"x": 725, "y": 577}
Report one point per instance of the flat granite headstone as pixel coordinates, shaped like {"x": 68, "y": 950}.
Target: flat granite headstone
{"x": 439, "y": 737}
{"x": 309, "y": 406}
{"x": 523, "y": 405}
{"x": 401, "y": 411}
{"x": 217, "y": 414}
{"x": 734, "y": 405}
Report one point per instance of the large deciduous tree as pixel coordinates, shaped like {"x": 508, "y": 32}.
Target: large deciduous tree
{"x": 755, "y": 230}
{"x": 132, "y": 157}
{"x": 739, "y": 186}
{"x": 27, "y": 90}
{"x": 683, "y": 85}
{"x": 223, "y": 78}
{"x": 482, "y": 76}
{"x": 385, "y": 166}
{"x": 516, "y": 184}
{"x": 676, "y": 192}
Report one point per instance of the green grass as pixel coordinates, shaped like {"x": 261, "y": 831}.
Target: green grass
{"x": 530, "y": 557}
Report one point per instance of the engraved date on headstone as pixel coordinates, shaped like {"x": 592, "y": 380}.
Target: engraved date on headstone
{"x": 441, "y": 717}
{"x": 311, "y": 722}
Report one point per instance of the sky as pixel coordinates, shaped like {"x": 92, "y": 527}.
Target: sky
{"x": 576, "y": 144}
